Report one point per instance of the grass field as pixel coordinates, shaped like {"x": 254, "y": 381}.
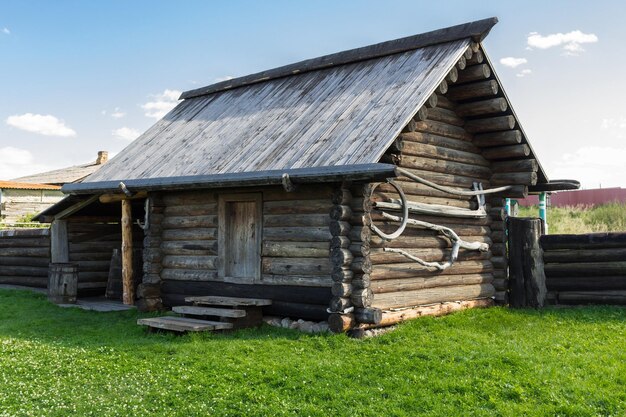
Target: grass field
{"x": 555, "y": 362}
{"x": 605, "y": 218}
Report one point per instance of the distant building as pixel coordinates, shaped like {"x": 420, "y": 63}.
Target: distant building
{"x": 34, "y": 193}
{"x": 593, "y": 197}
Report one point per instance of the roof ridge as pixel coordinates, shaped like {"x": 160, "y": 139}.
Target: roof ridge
{"x": 477, "y": 30}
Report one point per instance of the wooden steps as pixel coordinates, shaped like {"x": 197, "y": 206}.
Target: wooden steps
{"x": 183, "y": 324}
{"x": 230, "y": 313}
{"x": 228, "y": 301}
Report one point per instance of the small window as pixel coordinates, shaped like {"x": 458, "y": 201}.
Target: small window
{"x": 239, "y": 237}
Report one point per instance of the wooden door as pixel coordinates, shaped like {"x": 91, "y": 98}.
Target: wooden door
{"x": 239, "y": 237}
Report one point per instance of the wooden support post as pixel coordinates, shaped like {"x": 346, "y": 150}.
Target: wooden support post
{"x": 127, "y": 253}
{"x": 527, "y": 280}
{"x": 59, "y": 248}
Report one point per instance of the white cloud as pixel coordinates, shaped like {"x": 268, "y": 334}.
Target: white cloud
{"x": 6, "y": 31}
{"x": 117, "y": 113}
{"x": 161, "y": 104}
{"x": 47, "y": 125}
{"x": 513, "y": 62}
{"x": 524, "y": 72}
{"x": 16, "y": 162}
{"x": 592, "y": 166}
{"x": 571, "y": 41}
{"x": 126, "y": 133}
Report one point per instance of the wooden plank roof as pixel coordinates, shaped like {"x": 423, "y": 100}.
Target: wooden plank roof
{"x": 340, "y": 110}
{"x": 15, "y": 185}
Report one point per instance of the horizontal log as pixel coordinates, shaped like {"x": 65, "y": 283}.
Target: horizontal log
{"x": 368, "y": 315}
{"x": 297, "y": 207}
{"x": 362, "y": 297}
{"x": 385, "y": 194}
{"x": 185, "y": 222}
{"x": 435, "y": 140}
{"x": 39, "y": 252}
{"x": 432, "y": 295}
{"x": 190, "y": 234}
{"x": 514, "y": 178}
{"x": 297, "y": 310}
{"x": 177, "y": 274}
{"x": 339, "y": 242}
{"x": 452, "y": 76}
{"x": 423, "y": 241}
{"x": 339, "y": 228}
{"x": 360, "y": 234}
{"x": 296, "y": 220}
{"x": 432, "y": 151}
{"x": 324, "y": 281}
{"x": 490, "y": 124}
{"x": 34, "y": 242}
{"x": 452, "y": 222}
{"x": 499, "y": 262}
{"x": 582, "y": 255}
{"x": 483, "y": 107}
{"x": 341, "y": 289}
{"x": 341, "y": 257}
{"x": 450, "y": 180}
{"x": 29, "y": 271}
{"x": 341, "y": 196}
{"x": 389, "y": 318}
{"x": 587, "y": 283}
{"x": 339, "y": 304}
{"x": 476, "y": 59}
{"x": 432, "y": 101}
{"x": 296, "y": 249}
{"x": 501, "y": 284}
{"x": 506, "y": 152}
{"x": 27, "y": 281}
{"x": 575, "y": 269}
{"x": 340, "y": 323}
{"x": 379, "y": 256}
{"x": 416, "y": 191}
{"x": 442, "y": 115}
{"x": 443, "y": 129}
{"x": 189, "y": 262}
{"x": 297, "y": 266}
{"x": 341, "y": 274}
{"x": 193, "y": 247}
{"x": 99, "y": 256}
{"x": 302, "y": 192}
{"x": 24, "y": 261}
{"x": 516, "y": 165}
{"x": 297, "y": 234}
{"x": 189, "y": 197}
{"x": 361, "y": 281}
{"x": 498, "y": 249}
{"x": 414, "y": 270}
{"x": 503, "y": 138}
{"x": 474, "y": 90}
{"x": 446, "y": 167}
{"x": 340, "y": 212}
{"x": 445, "y": 103}
{"x": 474, "y": 73}
{"x": 412, "y": 284}
{"x": 586, "y": 241}
{"x": 592, "y": 297}
{"x": 360, "y": 249}
{"x": 443, "y": 87}
{"x": 191, "y": 210}
{"x": 461, "y": 63}
{"x": 362, "y": 265}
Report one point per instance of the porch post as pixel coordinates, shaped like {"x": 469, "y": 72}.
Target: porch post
{"x": 543, "y": 211}
{"x": 127, "y": 254}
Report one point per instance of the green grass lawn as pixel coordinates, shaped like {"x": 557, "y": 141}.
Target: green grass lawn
{"x": 565, "y": 220}
{"x": 555, "y": 362}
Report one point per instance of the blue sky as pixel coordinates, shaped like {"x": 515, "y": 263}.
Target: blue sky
{"x": 81, "y": 76}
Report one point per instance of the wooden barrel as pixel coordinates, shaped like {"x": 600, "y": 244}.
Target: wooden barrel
{"x": 62, "y": 283}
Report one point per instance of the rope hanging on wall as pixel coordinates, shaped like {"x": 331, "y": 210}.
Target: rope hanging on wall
{"x": 406, "y": 206}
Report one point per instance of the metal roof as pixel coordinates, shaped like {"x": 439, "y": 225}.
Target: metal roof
{"x": 343, "y": 109}
{"x": 15, "y": 185}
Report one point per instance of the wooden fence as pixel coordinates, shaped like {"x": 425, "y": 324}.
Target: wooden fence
{"x": 24, "y": 257}
{"x": 585, "y": 269}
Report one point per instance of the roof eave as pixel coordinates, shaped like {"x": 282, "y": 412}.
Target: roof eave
{"x": 360, "y": 172}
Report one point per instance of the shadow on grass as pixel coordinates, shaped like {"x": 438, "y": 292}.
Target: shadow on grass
{"x": 28, "y": 315}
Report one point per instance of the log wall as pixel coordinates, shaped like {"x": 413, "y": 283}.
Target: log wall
{"x": 465, "y": 133}
{"x": 91, "y": 246}
{"x": 295, "y": 262}
{"x": 585, "y": 269}
{"x": 24, "y": 257}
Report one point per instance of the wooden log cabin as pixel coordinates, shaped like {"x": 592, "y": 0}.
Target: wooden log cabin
{"x": 356, "y": 187}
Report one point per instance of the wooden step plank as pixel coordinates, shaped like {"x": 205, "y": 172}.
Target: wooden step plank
{"x": 228, "y": 301}
{"x": 183, "y": 324}
{"x": 209, "y": 311}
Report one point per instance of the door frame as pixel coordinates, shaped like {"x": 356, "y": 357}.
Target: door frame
{"x": 223, "y": 200}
